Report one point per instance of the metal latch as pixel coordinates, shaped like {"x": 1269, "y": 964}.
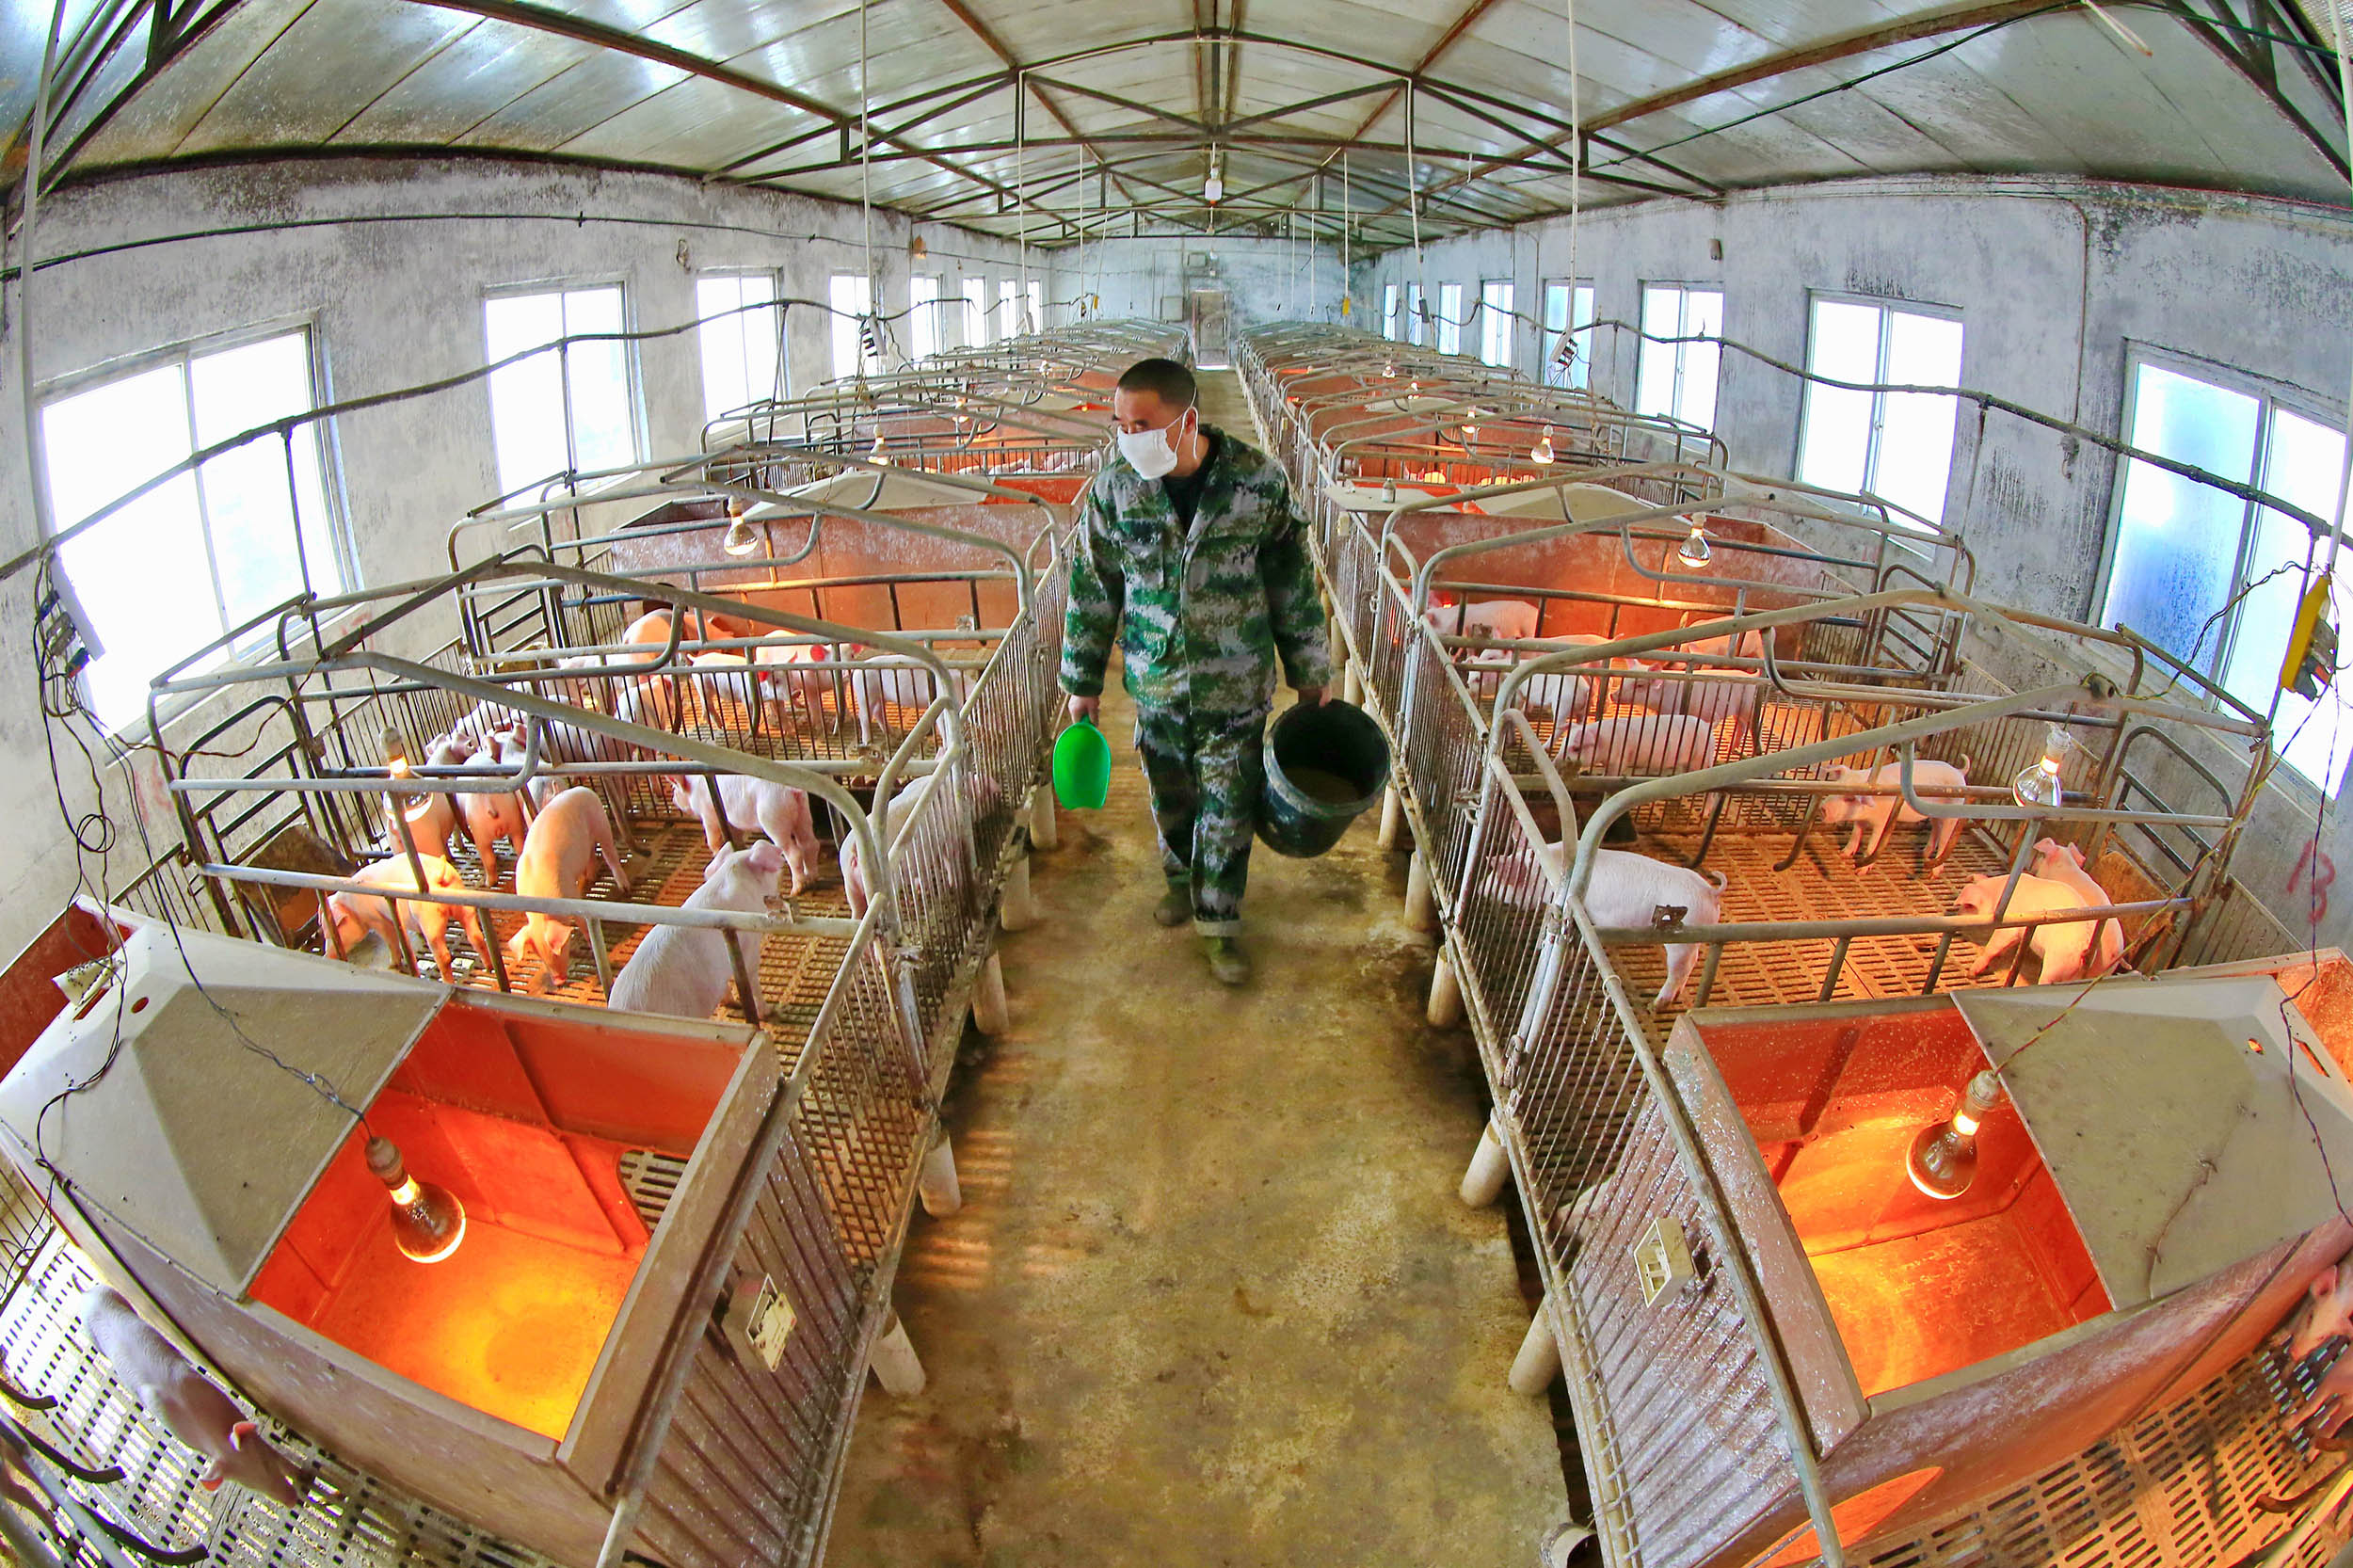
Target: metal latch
{"x": 756, "y": 1319}
{"x": 1661, "y": 1258}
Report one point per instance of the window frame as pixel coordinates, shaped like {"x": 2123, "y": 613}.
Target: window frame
{"x": 1505, "y": 312}
{"x": 1417, "y": 301}
{"x": 863, "y": 363}
{"x": 326, "y": 440}
{"x": 926, "y": 310}
{"x": 632, "y": 373}
{"x": 1449, "y": 322}
{"x": 1392, "y": 307}
{"x": 1888, "y": 308}
{"x": 775, "y": 293}
{"x": 1641, "y": 313}
{"x": 2268, "y": 394}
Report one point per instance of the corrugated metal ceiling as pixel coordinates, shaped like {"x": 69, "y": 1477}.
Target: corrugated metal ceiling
{"x": 1057, "y": 118}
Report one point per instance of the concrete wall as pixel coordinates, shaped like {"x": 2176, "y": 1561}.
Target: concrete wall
{"x": 388, "y": 263}
{"x": 2055, "y": 282}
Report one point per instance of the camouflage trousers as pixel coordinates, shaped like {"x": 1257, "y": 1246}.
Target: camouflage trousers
{"x": 1205, "y": 771}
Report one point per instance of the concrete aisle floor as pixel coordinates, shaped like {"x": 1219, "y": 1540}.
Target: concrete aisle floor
{"x": 1212, "y": 1300}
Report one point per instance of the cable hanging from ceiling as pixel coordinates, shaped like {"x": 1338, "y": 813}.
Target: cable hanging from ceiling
{"x": 1564, "y": 351}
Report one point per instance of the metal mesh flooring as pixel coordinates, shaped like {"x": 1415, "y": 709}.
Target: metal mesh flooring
{"x": 1821, "y": 885}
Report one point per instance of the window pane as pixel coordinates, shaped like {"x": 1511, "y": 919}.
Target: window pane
{"x": 1388, "y": 312}
{"x": 1495, "y": 322}
{"x": 526, "y": 399}
{"x": 603, "y": 434}
{"x": 849, "y": 294}
{"x": 1655, "y": 375}
{"x": 923, "y": 315}
{"x": 2302, "y": 459}
{"x": 247, "y": 502}
{"x": 975, "y": 313}
{"x": 1449, "y": 318}
{"x": 739, "y": 351}
{"x": 1695, "y": 394}
{"x": 1037, "y": 305}
{"x": 1008, "y": 309}
{"x": 141, "y": 575}
{"x": 1415, "y": 324}
{"x": 1845, "y": 345}
{"x": 1914, "y": 459}
{"x": 2177, "y": 542}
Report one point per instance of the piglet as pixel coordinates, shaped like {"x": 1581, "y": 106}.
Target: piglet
{"x": 2062, "y": 949}
{"x": 2065, "y": 863}
{"x": 1506, "y": 620}
{"x": 1628, "y": 744}
{"x": 723, "y": 676}
{"x": 357, "y": 914}
{"x": 2331, "y": 1401}
{"x": 2328, "y": 1311}
{"x": 1627, "y": 889}
{"x": 492, "y": 817}
{"x": 899, "y": 685}
{"x": 778, "y": 810}
{"x": 1879, "y": 814}
{"x": 199, "y": 1413}
{"x": 1715, "y": 698}
{"x": 426, "y": 821}
{"x": 558, "y": 861}
{"x": 902, "y": 809}
{"x": 684, "y": 970}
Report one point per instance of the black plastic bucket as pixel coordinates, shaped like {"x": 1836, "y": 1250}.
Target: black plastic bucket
{"x": 1324, "y": 766}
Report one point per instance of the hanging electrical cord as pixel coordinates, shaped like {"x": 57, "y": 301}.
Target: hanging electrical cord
{"x": 1564, "y": 352}
{"x": 1413, "y": 208}
{"x": 1022, "y": 183}
{"x": 1348, "y": 283}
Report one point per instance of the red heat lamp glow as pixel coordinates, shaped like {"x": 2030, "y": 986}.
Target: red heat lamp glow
{"x": 428, "y": 1221}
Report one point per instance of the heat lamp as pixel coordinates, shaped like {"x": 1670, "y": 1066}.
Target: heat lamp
{"x": 2038, "y": 784}
{"x": 1695, "y": 552}
{"x": 1542, "y": 451}
{"x": 428, "y": 1221}
{"x": 1944, "y": 1158}
{"x": 742, "y": 538}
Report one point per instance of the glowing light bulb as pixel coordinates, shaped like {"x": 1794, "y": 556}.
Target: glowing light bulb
{"x": 2038, "y": 784}
{"x": 742, "y": 539}
{"x": 428, "y": 1221}
{"x": 1944, "y": 1158}
{"x": 1470, "y": 436}
{"x": 1542, "y": 451}
{"x": 1388, "y": 490}
{"x": 1388, "y": 370}
{"x": 1436, "y": 476}
{"x": 1695, "y": 552}
{"x": 880, "y": 451}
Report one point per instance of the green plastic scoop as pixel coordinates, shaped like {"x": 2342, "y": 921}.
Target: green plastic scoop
{"x": 1082, "y": 767}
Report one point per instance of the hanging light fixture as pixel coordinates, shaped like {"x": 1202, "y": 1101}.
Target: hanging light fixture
{"x": 1944, "y": 1158}
{"x": 413, "y": 807}
{"x": 1542, "y": 451}
{"x": 880, "y": 451}
{"x": 1695, "y": 552}
{"x": 742, "y": 538}
{"x": 1389, "y": 370}
{"x": 2038, "y": 784}
{"x": 1213, "y": 188}
{"x": 428, "y": 1221}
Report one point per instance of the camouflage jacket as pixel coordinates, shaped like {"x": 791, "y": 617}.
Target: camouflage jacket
{"x": 1205, "y": 611}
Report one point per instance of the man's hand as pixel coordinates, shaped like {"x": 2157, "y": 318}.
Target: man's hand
{"x": 1086, "y": 709}
{"x": 1310, "y": 695}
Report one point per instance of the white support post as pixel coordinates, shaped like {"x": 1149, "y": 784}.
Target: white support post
{"x": 1490, "y": 1168}
{"x": 1018, "y": 910}
{"x": 1392, "y": 817}
{"x": 1539, "y": 1361}
{"x": 1446, "y": 996}
{"x": 988, "y": 997}
{"x": 1353, "y": 684}
{"x": 896, "y": 1366}
{"x": 1044, "y": 827}
{"x": 937, "y": 1184}
{"x": 1421, "y": 904}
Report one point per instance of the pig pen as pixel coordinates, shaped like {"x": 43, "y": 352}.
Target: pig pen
{"x": 866, "y": 1010}
{"x": 1561, "y": 1001}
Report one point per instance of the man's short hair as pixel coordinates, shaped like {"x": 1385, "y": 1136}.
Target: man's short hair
{"x": 1165, "y": 380}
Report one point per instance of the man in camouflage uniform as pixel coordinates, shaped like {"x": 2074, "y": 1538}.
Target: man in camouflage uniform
{"x": 1202, "y": 567}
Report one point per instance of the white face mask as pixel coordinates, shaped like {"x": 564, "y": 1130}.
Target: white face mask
{"x": 1153, "y": 453}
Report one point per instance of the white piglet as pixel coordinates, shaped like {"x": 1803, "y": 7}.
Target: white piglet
{"x": 1625, "y": 744}
{"x": 492, "y": 817}
{"x": 1628, "y": 889}
{"x": 199, "y": 1413}
{"x": 778, "y": 810}
{"x": 899, "y": 685}
{"x": 2065, "y": 863}
{"x": 1877, "y": 815}
{"x": 558, "y": 861}
{"x": 853, "y": 884}
{"x": 357, "y": 914}
{"x": 2063, "y": 949}
{"x": 684, "y": 970}
{"x": 1713, "y": 696}
{"x": 1506, "y": 620}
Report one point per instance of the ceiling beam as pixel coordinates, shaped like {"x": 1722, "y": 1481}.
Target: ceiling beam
{"x": 996, "y": 46}
{"x": 2244, "y": 44}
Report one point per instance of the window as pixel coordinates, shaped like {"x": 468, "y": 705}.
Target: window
{"x": 1037, "y": 305}
{"x": 923, "y": 334}
{"x": 740, "y": 348}
{"x": 1388, "y": 312}
{"x": 1008, "y": 309}
{"x": 1679, "y": 379}
{"x": 207, "y": 551}
{"x": 1494, "y": 321}
{"x": 1895, "y": 445}
{"x": 590, "y": 381}
{"x": 975, "y": 312}
{"x": 1559, "y": 300}
{"x": 852, "y": 296}
{"x": 2184, "y": 549}
{"x": 1416, "y": 316}
{"x": 1449, "y": 318}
